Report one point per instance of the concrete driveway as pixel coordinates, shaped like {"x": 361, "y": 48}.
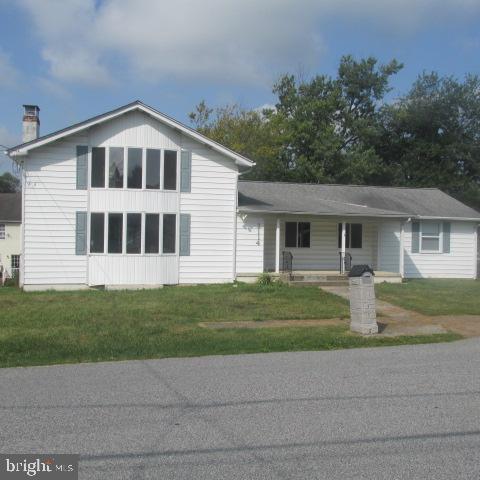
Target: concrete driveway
{"x": 389, "y": 413}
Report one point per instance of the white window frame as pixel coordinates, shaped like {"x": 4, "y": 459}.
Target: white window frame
{"x": 3, "y": 231}
{"x": 428, "y": 236}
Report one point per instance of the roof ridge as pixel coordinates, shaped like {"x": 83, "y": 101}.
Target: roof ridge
{"x": 339, "y": 185}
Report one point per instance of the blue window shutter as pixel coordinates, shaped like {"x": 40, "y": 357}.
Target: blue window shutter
{"x": 82, "y": 167}
{"x": 186, "y": 171}
{"x": 184, "y": 234}
{"x": 446, "y": 237}
{"x": 81, "y": 233}
{"x": 415, "y": 237}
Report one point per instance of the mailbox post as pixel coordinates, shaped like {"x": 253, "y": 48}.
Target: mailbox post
{"x": 363, "y": 318}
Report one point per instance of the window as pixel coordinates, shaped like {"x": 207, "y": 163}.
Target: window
{"x": 153, "y": 169}
{"x": 152, "y": 233}
{"x": 430, "y": 237}
{"x": 170, "y": 170}
{"x": 169, "y": 228}
{"x": 134, "y": 179}
{"x": 97, "y": 233}
{"x": 134, "y": 232}
{"x": 2, "y": 231}
{"x": 115, "y": 177}
{"x": 15, "y": 261}
{"x": 98, "y": 167}
{"x": 115, "y": 232}
{"x": 353, "y": 237}
{"x": 297, "y": 234}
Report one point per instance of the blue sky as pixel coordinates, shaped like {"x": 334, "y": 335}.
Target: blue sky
{"x": 79, "y": 58}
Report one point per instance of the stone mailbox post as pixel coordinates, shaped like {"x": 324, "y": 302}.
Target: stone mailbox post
{"x": 363, "y": 318}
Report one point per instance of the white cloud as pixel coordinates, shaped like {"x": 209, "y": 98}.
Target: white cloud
{"x": 8, "y": 73}
{"x": 246, "y": 41}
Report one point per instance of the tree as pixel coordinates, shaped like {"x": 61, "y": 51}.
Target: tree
{"x": 251, "y": 133}
{"x": 9, "y": 183}
{"x": 431, "y": 136}
{"x": 332, "y": 122}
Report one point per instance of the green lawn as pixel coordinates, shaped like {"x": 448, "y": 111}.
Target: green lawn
{"x": 61, "y": 327}
{"x": 434, "y": 297}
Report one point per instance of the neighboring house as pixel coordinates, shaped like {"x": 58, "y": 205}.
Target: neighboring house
{"x": 135, "y": 198}
{"x": 10, "y": 234}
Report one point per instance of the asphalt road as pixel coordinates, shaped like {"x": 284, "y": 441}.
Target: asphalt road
{"x": 389, "y": 413}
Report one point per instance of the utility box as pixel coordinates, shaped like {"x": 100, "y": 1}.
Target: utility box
{"x": 363, "y": 317}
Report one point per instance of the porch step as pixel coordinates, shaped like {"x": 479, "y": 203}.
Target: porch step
{"x": 318, "y": 283}
{"x": 315, "y": 277}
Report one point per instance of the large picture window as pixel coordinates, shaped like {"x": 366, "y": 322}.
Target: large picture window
{"x": 170, "y": 170}
{"x": 430, "y": 237}
{"x": 97, "y": 233}
{"x": 353, "y": 237}
{"x": 115, "y": 232}
{"x": 115, "y": 175}
{"x": 98, "y": 167}
{"x": 153, "y": 169}
{"x": 169, "y": 233}
{"x": 297, "y": 234}
{"x": 134, "y": 178}
{"x": 134, "y": 232}
{"x": 152, "y": 236}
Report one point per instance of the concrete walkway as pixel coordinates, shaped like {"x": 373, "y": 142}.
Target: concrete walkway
{"x": 394, "y": 320}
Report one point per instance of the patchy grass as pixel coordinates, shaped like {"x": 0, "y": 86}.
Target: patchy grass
{"x": 434, "y": 297}
{"x": 42, "y": 328}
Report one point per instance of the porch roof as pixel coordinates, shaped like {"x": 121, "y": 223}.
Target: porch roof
{"x": 350, "y": 200}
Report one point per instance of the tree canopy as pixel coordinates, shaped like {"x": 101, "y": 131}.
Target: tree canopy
{"x": 343, "y": 130}
{"x": 9, "y": 183}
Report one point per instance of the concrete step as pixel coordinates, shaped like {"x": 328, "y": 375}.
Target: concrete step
{"x": 317, "y": 278}
{"x": 318, "y": 283}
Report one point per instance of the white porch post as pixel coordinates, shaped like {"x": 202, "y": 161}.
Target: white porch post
{"x": 344, "y": 244}
{"x": 277, "y": 247}
{"x": 402, "y": 249}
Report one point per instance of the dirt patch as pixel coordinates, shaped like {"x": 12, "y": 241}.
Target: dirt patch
{"x": 274, "y": 323}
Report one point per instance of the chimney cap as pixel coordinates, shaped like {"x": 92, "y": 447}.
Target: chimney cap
{"x": 31, "y": 109}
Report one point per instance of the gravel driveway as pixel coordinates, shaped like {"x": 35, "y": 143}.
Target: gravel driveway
{"x": 399, "y": 413}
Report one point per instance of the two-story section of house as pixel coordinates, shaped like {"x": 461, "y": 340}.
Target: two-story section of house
{"x": 130, "y": 197}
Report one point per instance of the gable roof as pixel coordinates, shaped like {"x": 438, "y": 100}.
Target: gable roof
{"x": 350, "y": 200}
{"x": 24, "y": 148}
{"x": 10, "y": 207}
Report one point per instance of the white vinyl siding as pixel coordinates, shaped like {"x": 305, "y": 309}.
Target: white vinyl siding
{"x": 212, "y": 206}
{"x": 323, "y": 251}
{"x": 250, "y": 244}
{"x": 459, "y": 263}
{"x": 51, "y": 202}
{"x": 389, "y": 246}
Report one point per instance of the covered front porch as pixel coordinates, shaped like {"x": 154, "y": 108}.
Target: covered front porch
{"x": 314, "y": 248}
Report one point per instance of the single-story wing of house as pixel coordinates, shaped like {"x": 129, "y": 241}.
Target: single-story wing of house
{"x": 10, "y": 234}
{"x": 134, "y": 198}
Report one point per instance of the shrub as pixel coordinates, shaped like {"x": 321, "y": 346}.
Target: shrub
{"x": 265, "y": 279}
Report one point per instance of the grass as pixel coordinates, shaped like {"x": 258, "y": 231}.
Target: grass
{"x": 434, "y": 297}
{"x": 41, "y": 328}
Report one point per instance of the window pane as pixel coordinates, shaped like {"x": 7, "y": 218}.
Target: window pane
{"x": 97, "y": 232}
{"x": 152, "y": 233}
{"x": 430, "y": 228}
{"x": 134, "y": 168}
{"x": 98, "y": 167}
{"x": 169, "y": 233}
{"x": 134, "y": 232}
{"x": 356, "y": 235}
{"x": 431, "y": 244}
{"x": 115, "y": 231}
{"x": 170, "y": 170}
{"x": 115, "y": 177}
{"x": 153, "y": 169}
{"x": 304, "y": 234}
{"x": 290, "y": 234}
{"x": 2, "y": 231}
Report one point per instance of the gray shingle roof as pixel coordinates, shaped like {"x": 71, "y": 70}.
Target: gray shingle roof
{"x": 10, "y": 207}
{"x": 350, "y": 200}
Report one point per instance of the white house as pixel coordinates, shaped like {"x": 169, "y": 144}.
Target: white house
{"x": 133, "y": 198}
{"x": 10, "y": 234}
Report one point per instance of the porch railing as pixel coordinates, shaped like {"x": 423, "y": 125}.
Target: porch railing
{"x": 345, "y": 262}
{"x": 287, "y": 264}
